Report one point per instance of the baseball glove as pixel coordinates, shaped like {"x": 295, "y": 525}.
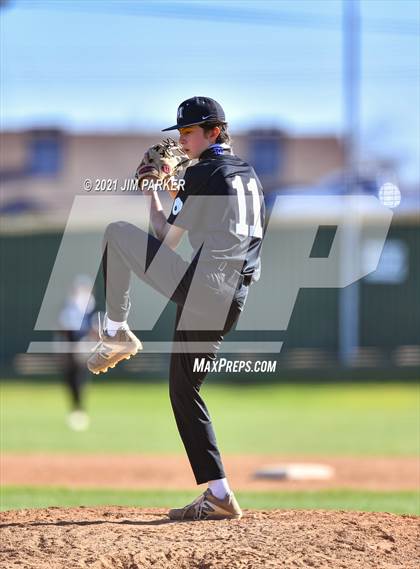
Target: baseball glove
{"x": 162, "y": 161}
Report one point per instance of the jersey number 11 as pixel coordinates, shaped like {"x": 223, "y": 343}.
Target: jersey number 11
{"x": 242, "y": 228}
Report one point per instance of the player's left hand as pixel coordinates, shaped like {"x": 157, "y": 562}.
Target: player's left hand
{"x": 162, "y": 161}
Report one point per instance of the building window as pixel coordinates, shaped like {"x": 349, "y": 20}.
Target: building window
{"x": 265, "y": 152}
{"x": 45, "y": 150}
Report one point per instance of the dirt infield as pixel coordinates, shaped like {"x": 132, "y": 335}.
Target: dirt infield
{"x": 128, "y": 538}
{"x": 173, "y": 472}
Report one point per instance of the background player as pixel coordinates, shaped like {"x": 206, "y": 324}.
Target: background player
{"x": 226, "y": 240}
{"x": 73, "y": 363}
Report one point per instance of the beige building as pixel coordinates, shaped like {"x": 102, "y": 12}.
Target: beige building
{"x": 42, "y": 170}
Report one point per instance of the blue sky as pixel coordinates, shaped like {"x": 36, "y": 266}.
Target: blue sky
{"x": 127, "y": 64}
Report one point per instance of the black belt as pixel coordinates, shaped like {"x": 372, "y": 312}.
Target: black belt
{"x": 247, "y": 279}
{"x": 240, "y": 280}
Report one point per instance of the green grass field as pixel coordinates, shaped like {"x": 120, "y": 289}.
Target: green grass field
{"x": 328, "y": 419}
{"x": 396, "y": 502}
{"x": 348, "y": 419}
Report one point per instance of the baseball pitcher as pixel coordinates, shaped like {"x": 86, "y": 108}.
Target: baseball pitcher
{"x": 220, "y": 205}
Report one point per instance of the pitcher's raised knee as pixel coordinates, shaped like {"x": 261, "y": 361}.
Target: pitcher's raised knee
{"x": 114, "y": 229}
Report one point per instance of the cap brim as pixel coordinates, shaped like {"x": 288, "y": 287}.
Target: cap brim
{"x": 178, "y": 126}
{"x": 170, "y": 128}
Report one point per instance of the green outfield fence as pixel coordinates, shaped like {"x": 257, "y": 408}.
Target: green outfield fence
{"x": 389, "y": 319}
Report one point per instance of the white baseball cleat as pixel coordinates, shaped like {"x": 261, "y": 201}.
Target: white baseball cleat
{"x": 208, "y": 507}
{"x": 110, "y": 350}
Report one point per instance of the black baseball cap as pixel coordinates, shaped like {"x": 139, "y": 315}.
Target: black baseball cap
{"x": 197, "y": 110}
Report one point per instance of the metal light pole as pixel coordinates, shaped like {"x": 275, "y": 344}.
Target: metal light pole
{"x": 350, "y": 251}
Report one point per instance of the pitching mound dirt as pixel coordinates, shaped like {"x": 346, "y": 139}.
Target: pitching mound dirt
{"x": 128, "y": 538}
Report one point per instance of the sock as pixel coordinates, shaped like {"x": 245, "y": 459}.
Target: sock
{"x": 112, "y": 326}
{"x": 219, "y": 488}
